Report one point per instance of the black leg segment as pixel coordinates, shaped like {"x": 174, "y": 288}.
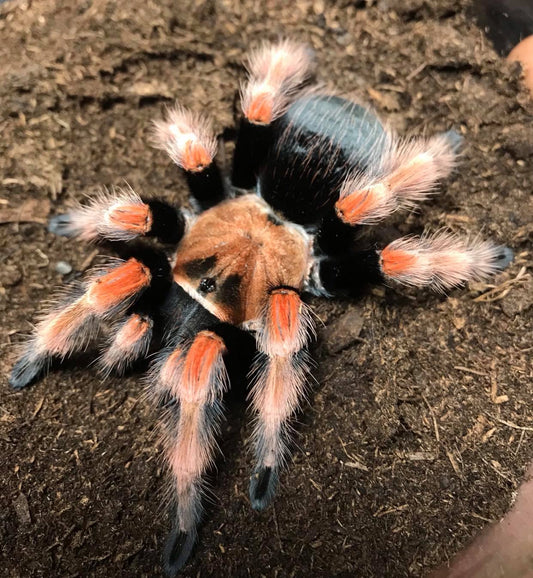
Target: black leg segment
{"x": 349, "y": 274}
{"x": 253, "y": 141}
{"x": 206, "y": 186}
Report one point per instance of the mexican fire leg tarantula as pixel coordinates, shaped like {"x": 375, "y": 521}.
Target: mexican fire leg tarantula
{"x": 322, "y": 168}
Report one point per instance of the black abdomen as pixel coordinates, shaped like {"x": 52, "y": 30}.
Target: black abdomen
{"x": 316, "y": 144}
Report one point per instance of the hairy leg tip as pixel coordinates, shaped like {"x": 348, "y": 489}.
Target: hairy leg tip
{"x": 25, "y": 372}
{"x": 178, "y": 550}
{"x": 455, "y": 140}
{"x": 60, "y": 225}
{"x": 503, "y": 258}
{"x": 263, "y": 484}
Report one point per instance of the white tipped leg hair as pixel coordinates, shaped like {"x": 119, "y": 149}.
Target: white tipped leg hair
{"x": 408, "y": 173}
{"x": 279, "y": 379}
{"x": 189, "y": 140}
{"x": 69, "y": 325}
{"x": 192, "y": 378}
{"x": 439, "y": 261}
{"x": 276, "y": 75}
{"x": 120, "y": 215}
{"x": 442, "y": 261}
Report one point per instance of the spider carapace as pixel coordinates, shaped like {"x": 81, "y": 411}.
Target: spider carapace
{"x": 235, "y": 252}
{"x": 311, "y": 174}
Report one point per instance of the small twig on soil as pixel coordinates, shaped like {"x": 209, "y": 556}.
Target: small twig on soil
{"x": 433, "y": 417}
{"x": 499, "y": 472}
{"x": 275, "y": 516}
{"x": 355, "y": 461}
{"x": 454, "y": 463}
{"x": 474, "y": 515}
{"x": 30, "y": 211}
{"x": 38, "y": 408}
{"x": 522, "y": 434}
{"x": 416, "y": 71}
{"x": 500, "y": 291}
{"x": 315, "y": 485}
{"x": 495, "y": 398}
{"x": 88, "y": 261}
{"x": 44, "y": 257}
{"x": 469, "y": 370}
{"x": 509, "y": 423}
{"x": 394, "y": 510}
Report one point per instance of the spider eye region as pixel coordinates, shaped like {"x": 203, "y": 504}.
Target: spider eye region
{"x": 233, "y": 252}
{"x": 207, "y": 285}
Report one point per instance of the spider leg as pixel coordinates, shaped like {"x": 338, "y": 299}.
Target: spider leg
{"x": 442, "y": 260}
{"x": 189, "y": 140}
{"x": 276, "y": 73}
{"x": 130, "y": 340}
{"x": 131, "y": 335}
{"x": 121, "y": 215}
{"x": 439, "y": 261}
{"x": 105, "y": 293}
{"x": 407, "y": 174}
{"x": 191, "y": 378}
{"x": 280, "y": 376}
{"x": 316, "y": 144}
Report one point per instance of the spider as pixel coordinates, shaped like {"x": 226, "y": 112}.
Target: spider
{"x": 311, "y": 173}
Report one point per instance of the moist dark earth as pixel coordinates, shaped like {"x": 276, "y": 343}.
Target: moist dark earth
{"x": 419, "y": 424}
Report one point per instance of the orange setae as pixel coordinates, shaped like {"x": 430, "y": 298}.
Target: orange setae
{"x": 355, "y": 206}
{"x": 396, "y": 262}
{"x": 195, "y": 156}
{"x": 132, "y": 332}
{"x": 201, "y": 361}
{"x": 133, "y": 218}
{"x": 119, "y": 284}
{"x": 260, "y": 109}
{"x": 283, "y": 320}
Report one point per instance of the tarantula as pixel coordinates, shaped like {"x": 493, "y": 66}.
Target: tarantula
{"x": 310, "y": 172}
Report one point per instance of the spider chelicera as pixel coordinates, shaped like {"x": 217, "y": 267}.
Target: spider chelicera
{"x": 311, "y": 171}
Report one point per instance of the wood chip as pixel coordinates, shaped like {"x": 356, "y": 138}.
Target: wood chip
{"x": 22, "y": 509}
{"x": 31, "y": 211}
{"x": 454, "y": 463}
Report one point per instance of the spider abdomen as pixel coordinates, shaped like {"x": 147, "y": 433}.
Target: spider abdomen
{"x": 316, "y": 144}
{"x": 235, "y": 252}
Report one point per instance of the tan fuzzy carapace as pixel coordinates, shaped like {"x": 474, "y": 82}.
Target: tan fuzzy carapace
{"x": 234, "y": 253}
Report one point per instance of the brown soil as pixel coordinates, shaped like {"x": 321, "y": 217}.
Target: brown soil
{"x": 419, "y": 427}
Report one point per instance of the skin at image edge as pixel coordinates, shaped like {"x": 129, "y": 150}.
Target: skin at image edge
{"x": 505, "y": 549}
{"x": 523, "y": 53}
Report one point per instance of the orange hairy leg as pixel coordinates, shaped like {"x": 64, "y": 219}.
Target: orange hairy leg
{"x": 283, "y": 319}
{"x": 73, "y": 322}
{"x": 130, "y": 341}
{"x": 280, "y": 376}
{"x": 200, "y": 361}
{"x": 396, "y": 261}
{"x": 193, "y": 376}
{"x": 260, "y": 109}
{"x": 276, "y": 74}
{"x": 409, "y": 172}
{"x": 439, "y": 261}
{"x": 195, "y": 157}
{"x": 442, "y": 260}
{"x": 120, "y": 215}
{"x": 136, "y": 219}
{"x": 189, "y": 140}
{"x": 113, "y": 288}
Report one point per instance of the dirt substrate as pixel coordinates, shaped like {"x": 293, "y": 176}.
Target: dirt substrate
{"x": 418, "y": 429}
